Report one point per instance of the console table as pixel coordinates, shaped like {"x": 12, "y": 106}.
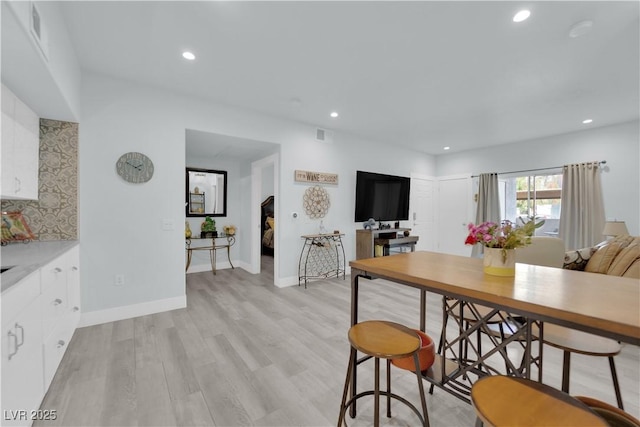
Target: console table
{"x": 322, "y": 256}
{"x": 215, "y": 245}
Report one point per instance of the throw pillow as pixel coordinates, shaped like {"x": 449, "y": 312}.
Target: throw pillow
{"x": 577, "y": 260}
{"x": 625, "y": 259}
{"x": 604, "y": 256}
{"x": 633, "y": 272}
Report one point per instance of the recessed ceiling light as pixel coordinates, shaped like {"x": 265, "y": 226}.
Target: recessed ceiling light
{"x": 334, "y": 114}
{"x": 188, "y": 55}
{"x": 446, "y": 148}
{"x": 521, "y": 16}
{"x": 587, "y": 121}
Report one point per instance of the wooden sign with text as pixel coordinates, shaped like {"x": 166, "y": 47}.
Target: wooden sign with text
{"x": 317, "y": 177}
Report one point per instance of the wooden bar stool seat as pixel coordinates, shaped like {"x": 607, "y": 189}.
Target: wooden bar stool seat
{"x": 510, "y": 401}
{"x": 614, "y": 416}
{"x": 382, "y": 340}
{"x": 572, "y": 341}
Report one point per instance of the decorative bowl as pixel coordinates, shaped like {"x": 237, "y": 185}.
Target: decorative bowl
{"x": 426, "y": 355}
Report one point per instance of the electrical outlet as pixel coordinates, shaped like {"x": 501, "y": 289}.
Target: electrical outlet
{"x": 119, "y": 280}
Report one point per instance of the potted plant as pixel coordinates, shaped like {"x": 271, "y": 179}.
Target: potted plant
{"x": 208, "y": 228}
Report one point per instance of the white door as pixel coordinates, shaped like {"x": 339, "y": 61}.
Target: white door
{"x": 454, "y": 213}
{"x": 422, "y": 215}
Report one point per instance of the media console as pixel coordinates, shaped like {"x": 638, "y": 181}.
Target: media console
{"x": 383, "y": 242}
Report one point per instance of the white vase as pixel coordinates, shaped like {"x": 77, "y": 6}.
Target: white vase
{"x": 500, "y": 262}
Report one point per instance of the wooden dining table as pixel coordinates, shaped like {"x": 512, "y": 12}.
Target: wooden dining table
{"x": 604, "y": 305}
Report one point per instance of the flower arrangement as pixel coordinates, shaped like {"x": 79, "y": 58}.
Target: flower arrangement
{"x": 229, "y": 230}
{"x": 503, "y": 236}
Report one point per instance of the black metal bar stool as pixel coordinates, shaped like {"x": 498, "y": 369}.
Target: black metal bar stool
{"x": 387, "y": 340}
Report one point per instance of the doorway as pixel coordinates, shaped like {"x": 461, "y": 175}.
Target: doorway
{"x": 454, "y": 213}
{"x": 264, "y": 184}
{"x": 236, "y": 156}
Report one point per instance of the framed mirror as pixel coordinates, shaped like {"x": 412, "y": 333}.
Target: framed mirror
{"x": 206, "y": 193}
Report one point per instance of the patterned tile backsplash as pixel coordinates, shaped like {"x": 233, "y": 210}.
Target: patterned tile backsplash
{"x": 54, "y": 216}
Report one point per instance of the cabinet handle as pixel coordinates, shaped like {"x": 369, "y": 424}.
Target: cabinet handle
{"x": 15, "y": 341}
{"x": 74, "y": 268}
{"x": 60, "y": 344}
{"x": 18, "y": 326}
{"x": 76, "y": 308}
{"x": 18, "y": 185}
{"x": 57, "y": 301}
{"x": 57, "y": 270}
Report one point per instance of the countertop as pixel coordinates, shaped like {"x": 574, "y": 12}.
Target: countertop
{"x": 29, "y": 257}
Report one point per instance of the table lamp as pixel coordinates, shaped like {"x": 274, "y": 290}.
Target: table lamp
{"x": 615, "y": 228}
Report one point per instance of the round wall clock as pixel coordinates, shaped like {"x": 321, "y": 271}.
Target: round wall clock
{"x": 316, "y": 202}
{"x": 135, "y": 167}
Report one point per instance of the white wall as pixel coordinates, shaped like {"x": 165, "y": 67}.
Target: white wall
{"x": 617, "y": 144}
{"x": 121, "y": 223}
{"x": 51, "y": 86}
{"x": 343, "y": 156}
{"x": 267, "y": 182}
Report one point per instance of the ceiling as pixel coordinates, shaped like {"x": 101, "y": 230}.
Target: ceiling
{"x": 206, "y": 145}
{"x": 419, "y": 74}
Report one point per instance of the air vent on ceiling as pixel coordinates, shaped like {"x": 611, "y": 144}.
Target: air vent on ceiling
{"x": 324, "y": 136}
{"x": 38, "y": 31}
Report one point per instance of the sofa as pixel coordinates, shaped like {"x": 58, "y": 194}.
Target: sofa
{"x": 619, "y": 256}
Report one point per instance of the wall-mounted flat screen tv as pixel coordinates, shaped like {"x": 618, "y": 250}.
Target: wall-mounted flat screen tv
{"x": 381, "y": 197}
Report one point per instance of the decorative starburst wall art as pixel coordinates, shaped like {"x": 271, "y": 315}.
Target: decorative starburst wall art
{"x": 316, "y": 202}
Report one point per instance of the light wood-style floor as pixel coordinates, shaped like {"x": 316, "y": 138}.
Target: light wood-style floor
{"x": 246, "y": 353}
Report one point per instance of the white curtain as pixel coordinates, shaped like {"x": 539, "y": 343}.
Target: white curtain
{"x": 488, "y": 208}
{"x": 581, "y": 207}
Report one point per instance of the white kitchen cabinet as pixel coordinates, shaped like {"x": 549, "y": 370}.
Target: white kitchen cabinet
{"x": 39, "y": 316}
{"x": 54, "y": 347}
{"x": 8, "y": 125}
{"x": 73, "y": 286}
{"x": 60, "y": 308}
{"x": 26, "y": 150}
{"x": 53, "y": 277}
{"x": 22, "y": 358}
{"x": 20, "y": 148}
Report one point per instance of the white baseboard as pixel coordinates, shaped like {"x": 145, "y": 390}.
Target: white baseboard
{"x": 127, "y": 312}
{"x": 285, "y": 282}
{"x": 245, "y": 266}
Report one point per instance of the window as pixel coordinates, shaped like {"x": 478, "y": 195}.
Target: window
{"x": 534, "y": 196}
